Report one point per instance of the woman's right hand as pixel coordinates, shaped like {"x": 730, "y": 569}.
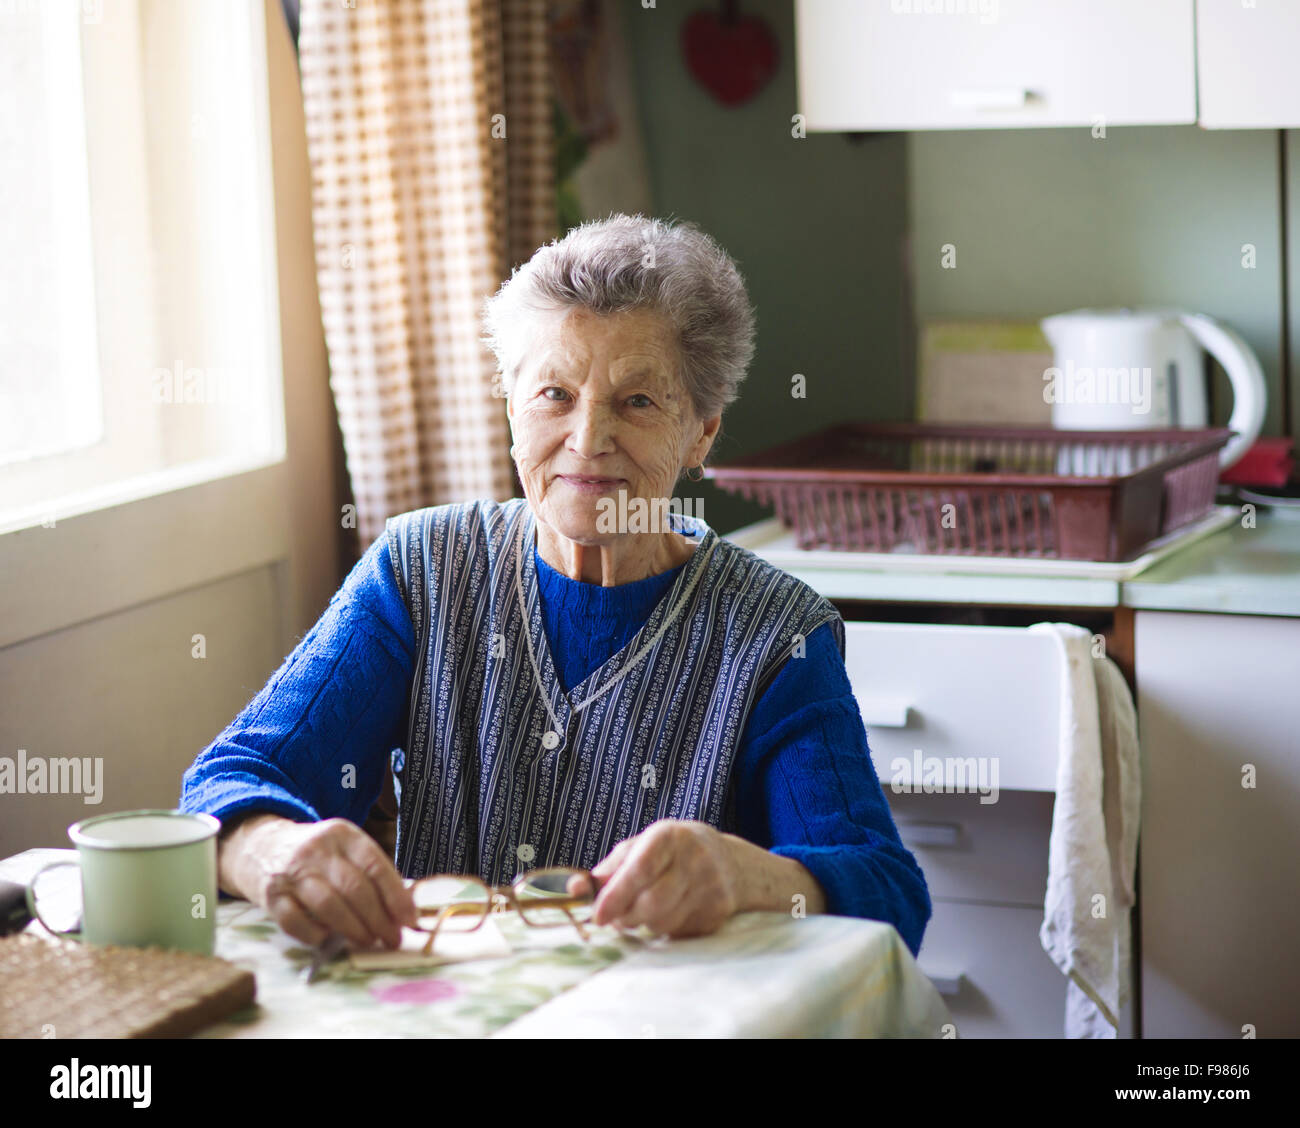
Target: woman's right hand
{"x": 315, "y": 878}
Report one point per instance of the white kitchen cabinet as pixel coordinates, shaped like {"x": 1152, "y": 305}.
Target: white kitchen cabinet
{"x": 985, "y": 701}
{"x": 1246, "y": 63}
{"x": 1006, "y": 986}
{"x": 983, "y": 695}
{"x": 1219, "y": 717}
{"x": 986, "y": 867}
{"x": 972, "y": 851}
{"x": 994, "y": 64}
{"x": 980, "y": 705}
{"x": 1211, "y": 637}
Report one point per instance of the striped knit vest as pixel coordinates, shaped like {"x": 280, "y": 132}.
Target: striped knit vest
{"x": 480, "y": 791}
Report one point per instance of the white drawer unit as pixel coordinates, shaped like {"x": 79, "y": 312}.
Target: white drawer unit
{"x": 995, "y": 978}
{"x": 994, "y": 64}
{"x": 961, "y": 705}
{"x": 971, "y": 851}
{"x": 956, "y": 717}
{"x": 986, "y": 866}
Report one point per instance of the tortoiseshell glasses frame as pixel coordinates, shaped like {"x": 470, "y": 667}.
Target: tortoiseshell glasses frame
{"x": 535, "y": 896}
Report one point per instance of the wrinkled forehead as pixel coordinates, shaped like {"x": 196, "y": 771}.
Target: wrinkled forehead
{"x": 577, "y": 344}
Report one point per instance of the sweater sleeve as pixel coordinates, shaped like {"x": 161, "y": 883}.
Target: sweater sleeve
{"x": 315, "y": 742}
{"x": 806, "y": 789}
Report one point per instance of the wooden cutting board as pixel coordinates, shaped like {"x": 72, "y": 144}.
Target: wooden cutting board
{"x": 66, "y": 989}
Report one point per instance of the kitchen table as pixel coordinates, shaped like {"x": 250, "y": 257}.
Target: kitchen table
{"x": 762, "y": 974}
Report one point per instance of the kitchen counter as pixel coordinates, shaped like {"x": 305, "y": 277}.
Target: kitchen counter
{"x": 1240, "y": 571}
{"x": 1237, "y": 571}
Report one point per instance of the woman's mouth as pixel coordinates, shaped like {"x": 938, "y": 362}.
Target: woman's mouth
{"x": 587, "y": 484}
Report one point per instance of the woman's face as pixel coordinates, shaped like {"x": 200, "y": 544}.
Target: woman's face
{"x": 598, "y": 409}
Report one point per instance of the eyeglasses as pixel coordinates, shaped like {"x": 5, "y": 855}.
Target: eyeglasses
{"x": 545, "y": 898}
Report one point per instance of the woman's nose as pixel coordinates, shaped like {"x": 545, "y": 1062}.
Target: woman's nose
{"x": 593, "y": 429}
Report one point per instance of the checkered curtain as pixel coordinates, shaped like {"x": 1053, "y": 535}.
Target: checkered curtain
{"x": 430, "y": 132}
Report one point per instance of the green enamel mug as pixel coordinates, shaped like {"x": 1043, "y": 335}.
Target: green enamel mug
{"x": 148, "y": 879}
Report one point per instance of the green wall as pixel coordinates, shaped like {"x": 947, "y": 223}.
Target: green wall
{"x": 1046, "y": 220}
{"x": 816, "y": 226}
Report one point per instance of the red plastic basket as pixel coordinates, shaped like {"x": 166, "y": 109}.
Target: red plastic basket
{"x": 983, "y": 491}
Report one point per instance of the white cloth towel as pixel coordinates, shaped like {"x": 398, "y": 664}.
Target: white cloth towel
{"x": 1092, "y": 855}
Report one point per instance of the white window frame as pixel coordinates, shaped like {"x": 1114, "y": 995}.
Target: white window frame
{"x": 115, "y": 546}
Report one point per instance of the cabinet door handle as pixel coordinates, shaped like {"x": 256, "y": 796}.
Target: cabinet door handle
{"x": 946, "y": 984}
{"x": 929, "y": 834}
{"x": 1001, "y": 98}
{"x": 883, "y": 713}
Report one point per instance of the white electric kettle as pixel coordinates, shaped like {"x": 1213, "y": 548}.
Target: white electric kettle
{"x": 1124, "y": 369}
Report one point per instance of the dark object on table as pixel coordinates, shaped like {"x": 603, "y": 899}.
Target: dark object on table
{"x": 14, "y": 916}
{"x": 65, "y": 989}
{"x": 334, "y": 945}
{"x": 942, "y": 489}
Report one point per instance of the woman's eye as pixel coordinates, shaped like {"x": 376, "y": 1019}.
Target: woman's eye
{"x": 556, "y": 395}
{"x": 639, "y": 400}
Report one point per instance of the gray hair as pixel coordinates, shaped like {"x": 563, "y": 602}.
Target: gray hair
{"x": 625, "y": 263}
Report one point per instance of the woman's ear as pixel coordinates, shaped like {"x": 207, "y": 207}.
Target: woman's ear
{"x": 708, "y": 432}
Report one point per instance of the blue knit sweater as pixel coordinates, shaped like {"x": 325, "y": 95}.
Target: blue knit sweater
{"x": 805, "y": 786}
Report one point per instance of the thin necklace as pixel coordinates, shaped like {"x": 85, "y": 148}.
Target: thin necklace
{"x": 551, "y": 739}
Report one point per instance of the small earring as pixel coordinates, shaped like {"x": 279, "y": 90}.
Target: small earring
{"x": 694, "y": 477}
{"x": 513, "y": 451}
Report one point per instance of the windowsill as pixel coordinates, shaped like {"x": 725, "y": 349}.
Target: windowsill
{"x": 164, "y": 542}
{"x": 133, "y": 489}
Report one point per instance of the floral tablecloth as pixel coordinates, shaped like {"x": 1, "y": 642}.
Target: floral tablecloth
{"x": 762, "y": 974}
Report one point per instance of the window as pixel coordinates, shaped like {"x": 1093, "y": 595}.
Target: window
{"x": 49, "y": 396}
{"x": 139, "y": 321}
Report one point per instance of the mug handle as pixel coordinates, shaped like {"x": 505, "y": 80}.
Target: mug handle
{"x": 72, "y": 933}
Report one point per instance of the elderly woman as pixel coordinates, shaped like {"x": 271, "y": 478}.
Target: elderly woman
{"x": 549, "y": 688}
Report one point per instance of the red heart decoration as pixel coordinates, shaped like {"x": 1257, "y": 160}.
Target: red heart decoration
{"x": 732, "y": 60}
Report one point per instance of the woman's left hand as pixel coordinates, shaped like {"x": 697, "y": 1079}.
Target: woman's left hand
{"x": 678, "y": 878}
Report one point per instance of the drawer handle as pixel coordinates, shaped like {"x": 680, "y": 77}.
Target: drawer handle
{"x": 882, "y": 713}
{"x": 1004, "y": 98}
{"x": 947, "y": 985}
{"x": 929, "y": 834}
